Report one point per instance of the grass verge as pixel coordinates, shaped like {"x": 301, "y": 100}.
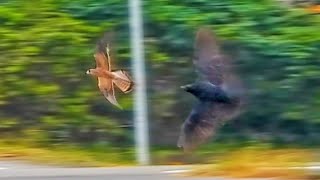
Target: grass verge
{"x": 261, "y": 163}
{"x": 67, "y": 155}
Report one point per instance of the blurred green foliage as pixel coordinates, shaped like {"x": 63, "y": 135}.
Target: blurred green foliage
{"x": 46, "y": 47}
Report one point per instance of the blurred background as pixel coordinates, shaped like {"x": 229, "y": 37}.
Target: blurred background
{"x": 51, "y": 111}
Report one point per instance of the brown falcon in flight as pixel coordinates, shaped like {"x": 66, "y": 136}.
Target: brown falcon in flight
{"x": 219, "y": 91}
{"x": 107, "y": 78}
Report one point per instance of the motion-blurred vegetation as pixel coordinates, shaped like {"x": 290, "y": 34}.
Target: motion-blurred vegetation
{"x": 46, "y": 46}
{"x": 262, "y": 162}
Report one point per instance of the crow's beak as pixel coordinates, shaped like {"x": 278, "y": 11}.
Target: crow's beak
{"x": 185, "y": 86}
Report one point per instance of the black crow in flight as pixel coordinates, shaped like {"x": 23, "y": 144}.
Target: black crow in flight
{"x": 219, "y": 91}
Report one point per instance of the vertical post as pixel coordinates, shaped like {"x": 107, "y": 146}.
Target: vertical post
{"x": 140, "y": 103}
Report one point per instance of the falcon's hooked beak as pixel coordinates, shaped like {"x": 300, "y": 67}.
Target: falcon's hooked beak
{"x": 88, "y": 72}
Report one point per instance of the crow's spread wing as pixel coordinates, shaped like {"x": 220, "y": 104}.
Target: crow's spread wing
{"x": 212, "y": 65}
{"x": 202, "y": 123}
{"x": 208, "y": 60}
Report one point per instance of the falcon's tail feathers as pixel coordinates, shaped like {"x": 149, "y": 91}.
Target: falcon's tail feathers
{"x": 123, "y": 81}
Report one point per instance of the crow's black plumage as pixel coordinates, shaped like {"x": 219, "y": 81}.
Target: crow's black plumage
{"x": 219, "y": 91}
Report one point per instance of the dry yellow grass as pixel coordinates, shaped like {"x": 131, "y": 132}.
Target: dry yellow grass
{"x": 261, "y": 163}
{"x": 66, "y": 156}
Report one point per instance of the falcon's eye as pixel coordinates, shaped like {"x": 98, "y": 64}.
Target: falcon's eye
{"x": 88, "y": 71}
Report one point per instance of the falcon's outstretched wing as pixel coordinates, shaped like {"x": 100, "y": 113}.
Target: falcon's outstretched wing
{"x": 107, "y": 89}
{"x": 102, "y": 52}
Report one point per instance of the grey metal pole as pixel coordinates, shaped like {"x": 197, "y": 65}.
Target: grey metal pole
{"x": 140, "y": 103}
